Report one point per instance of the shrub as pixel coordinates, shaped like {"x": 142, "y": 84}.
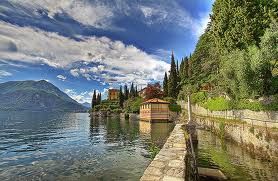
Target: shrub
{"x": 174, "y": 107}
{"x": 217, "y": 104}
{"x": 199, "y": 97}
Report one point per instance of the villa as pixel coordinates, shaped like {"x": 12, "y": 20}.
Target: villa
{"x": 113, "y": 94}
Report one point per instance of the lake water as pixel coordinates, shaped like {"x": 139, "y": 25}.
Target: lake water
{"x": 235, "y": 162}
{"x": 71, "y": 146}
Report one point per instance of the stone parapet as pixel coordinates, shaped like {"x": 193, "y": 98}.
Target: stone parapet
{"x": 169, "y": 162}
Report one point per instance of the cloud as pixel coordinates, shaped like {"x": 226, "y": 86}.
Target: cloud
{"x": 61, "y": 77}
{"x": 4, "y": 73}
{"x": 112, "y": 61}
{"x": 85, "y": 96}
{"x": 82, "y": 11}
{"x": 103, "y": 14}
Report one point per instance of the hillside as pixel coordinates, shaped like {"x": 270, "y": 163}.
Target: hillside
{"x": 35, "y": 96}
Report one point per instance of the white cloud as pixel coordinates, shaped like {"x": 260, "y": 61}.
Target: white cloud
{"x": 74, "y": 72}
{"x": 101, "y": 14}
{"x": 61, "y": 77}
{"x": 4, "y": 73}
{"x": 119, "y": 61}
{"x": 97, "y": 14}
{"x": 171, "y": 12}
{"x": 85, "y": 96}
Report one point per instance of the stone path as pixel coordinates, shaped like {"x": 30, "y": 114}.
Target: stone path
{"x": 169, "y": 165}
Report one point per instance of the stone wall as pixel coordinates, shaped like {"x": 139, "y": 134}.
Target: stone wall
{"x": 260, "y": 118}
{"x": 261, "y": 141}
{"x": 169, "y": 162}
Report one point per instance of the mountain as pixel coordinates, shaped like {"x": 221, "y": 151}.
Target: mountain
{"x": 35, "y": 96}
{"x": 86, "y": 104}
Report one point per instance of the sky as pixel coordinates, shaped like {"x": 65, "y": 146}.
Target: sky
{"x": 82, "y": 45}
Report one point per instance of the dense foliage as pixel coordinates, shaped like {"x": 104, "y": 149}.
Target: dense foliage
{"x": 236, "y": 58}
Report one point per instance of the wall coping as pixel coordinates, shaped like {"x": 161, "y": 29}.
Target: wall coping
{"x": 169, "y": 163}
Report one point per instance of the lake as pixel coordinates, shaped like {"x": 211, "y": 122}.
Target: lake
{"x": 72, "y": 146}
{"x": 233, "y": 160}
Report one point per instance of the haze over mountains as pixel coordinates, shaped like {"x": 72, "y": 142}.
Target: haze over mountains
{"x": 35, "y": 96}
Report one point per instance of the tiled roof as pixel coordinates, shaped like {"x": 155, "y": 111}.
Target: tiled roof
{"x": 156, "y": 100}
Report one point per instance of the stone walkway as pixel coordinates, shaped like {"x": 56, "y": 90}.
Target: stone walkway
{"x": 169, "y": 165}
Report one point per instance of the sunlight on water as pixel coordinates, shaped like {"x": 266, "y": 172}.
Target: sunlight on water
{"x": 71, "y": 146}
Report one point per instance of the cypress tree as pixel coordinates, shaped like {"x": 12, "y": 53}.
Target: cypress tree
{"x": 99, "y": 98}
{"x": 173, "y": 79}
{"x": 126, "y": 92}
{"x": 165, "y": 85}
{"x": 94, "y": 99}
{"x": 132, "y": 91}
{"x": 136, "y": 91}
{"x": 121, "y": 98}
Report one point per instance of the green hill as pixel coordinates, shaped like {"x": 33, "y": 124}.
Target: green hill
{"x": 35, "y": 96}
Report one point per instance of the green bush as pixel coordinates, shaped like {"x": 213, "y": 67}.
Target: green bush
{"x": 118, "y": 110}
{"x": 217, "y": 104}
{"x": 133, "y": 105}
{"x": 174, "y": 107}
{"x": 199, "y": 97}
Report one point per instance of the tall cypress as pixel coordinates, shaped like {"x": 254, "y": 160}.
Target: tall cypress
{"x": 173, "y": 79}
{"x": 126, "y": 92}
{"x": 94, "y": 99}
{"x": 121, "y": 97}
{"x": 132, "y": 91}
{"x": 165, "y": 85}
{"x": 136, "y": 91}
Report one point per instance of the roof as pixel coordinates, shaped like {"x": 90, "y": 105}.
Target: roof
{"x": 156, "y": 100}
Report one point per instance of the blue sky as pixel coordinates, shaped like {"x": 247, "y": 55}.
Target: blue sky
{"x": 81, "y": 45}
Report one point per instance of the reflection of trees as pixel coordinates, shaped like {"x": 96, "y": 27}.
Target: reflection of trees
{"x": 94, "y": 130}
{"x": 120, "y": 130}
{"x": 158, "y": 132}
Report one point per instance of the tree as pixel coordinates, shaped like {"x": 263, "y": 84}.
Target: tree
{"x": 269, "y": 55}
{"x": 132, "y": 91}
{"x": 126, "y": 92}
{"x": 94, "y": 99}
{"x": 173, "y": 79}
{"x": 136, "y": 91}
{"x": 121, "y": 97}
{"x": 165, "y": 85}
{"x": 153, "y": 91}
{"x": 99, "y": 98}
{"x": 240, "y": 23}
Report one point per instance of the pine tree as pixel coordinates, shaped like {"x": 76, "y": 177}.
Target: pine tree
{"x": 126, "y": 92}
{"x": 173, "y": 79}
{"x": 121, "y": 97}
{"x": 165, "y": 85}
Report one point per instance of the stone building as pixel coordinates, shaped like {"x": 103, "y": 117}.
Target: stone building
{"x": 113, "y": 94}
{"x": 155, "y": 110}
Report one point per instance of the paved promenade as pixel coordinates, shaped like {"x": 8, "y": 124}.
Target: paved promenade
{"x": 169, "y": 165}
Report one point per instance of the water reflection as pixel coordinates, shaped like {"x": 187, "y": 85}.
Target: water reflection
{"x": 71, "y": 146}
{"x": 158, "y": 132}
{"x": 232, "y": 159}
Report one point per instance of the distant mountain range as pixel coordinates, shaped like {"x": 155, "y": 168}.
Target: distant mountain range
{"x": 86, "y": 104}
{"x": 36, "y": 96}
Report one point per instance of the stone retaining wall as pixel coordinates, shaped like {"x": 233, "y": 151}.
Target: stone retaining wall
{"x": 260, "y": 118}
{"x": 261, "y": 141}
{"x": 169, "y": 162}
